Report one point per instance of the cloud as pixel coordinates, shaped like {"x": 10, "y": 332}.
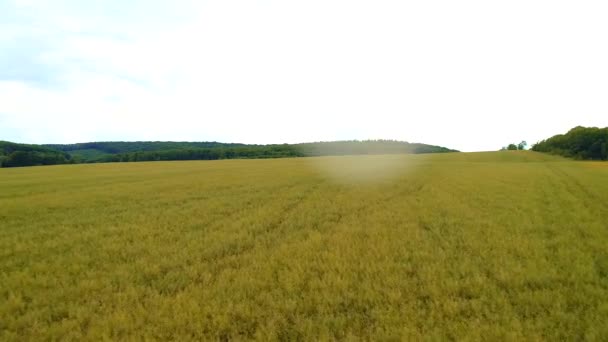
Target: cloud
{"x": 468, "y": 75}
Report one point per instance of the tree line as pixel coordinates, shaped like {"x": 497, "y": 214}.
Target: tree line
{"x": 204, "y": 154}
{"x": 585, "y": 143}
{"x": 115, "y": 147}
{"x": 99, "y": 152}
{"x": 13, "y": 155}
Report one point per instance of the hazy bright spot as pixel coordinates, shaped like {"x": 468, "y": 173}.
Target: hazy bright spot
{"x": 362, "y": 169}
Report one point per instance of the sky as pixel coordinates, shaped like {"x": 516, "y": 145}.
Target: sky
{"x": 469, "y": 75}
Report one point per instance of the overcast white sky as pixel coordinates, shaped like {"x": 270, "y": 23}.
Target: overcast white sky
{"x": 469, "y": 75}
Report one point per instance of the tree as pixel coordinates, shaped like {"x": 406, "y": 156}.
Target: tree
{"x": 579, "y": 143}
{"x": 522, "y": 145}
{"x": 512, "y": 147}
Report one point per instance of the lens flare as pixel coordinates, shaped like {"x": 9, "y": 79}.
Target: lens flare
{"x": 359, "y": 169}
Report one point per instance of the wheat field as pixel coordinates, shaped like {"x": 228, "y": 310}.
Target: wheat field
{"x": 462, "y": 246}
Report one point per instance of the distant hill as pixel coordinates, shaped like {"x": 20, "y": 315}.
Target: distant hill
{"x": 120, "y": 151}
{"x": 114, "y": 147}
{"x": 579, "y": 143}
{"x": 367, "y": 147}
{"x": 104, "y": 150}
{"x": 159, "y": 150}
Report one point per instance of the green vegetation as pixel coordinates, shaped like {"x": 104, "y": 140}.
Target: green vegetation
{"x": 12, "y": 155}
{"x": 579, "y": 143}
{"x": 354, "y": 147}
{"x": 335, "y": 148}
{"x": 459, "y": 246}
{"x": 116, "y": 147}
{"x": 30, "y": 155}
{"x": 513, "y": 147}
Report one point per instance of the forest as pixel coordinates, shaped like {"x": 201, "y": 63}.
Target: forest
{"x": 584, "y": 143}
{"x": 12, "y": 154}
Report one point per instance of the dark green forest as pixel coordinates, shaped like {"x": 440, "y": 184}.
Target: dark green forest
{"x": 12, "y": 154}
{"x": 584, "y": 143}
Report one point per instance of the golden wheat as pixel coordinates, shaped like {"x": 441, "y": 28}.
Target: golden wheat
{"x": 479, "y": 246}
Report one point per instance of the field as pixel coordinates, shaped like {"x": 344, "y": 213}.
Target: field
{"x": 477, "y": 246}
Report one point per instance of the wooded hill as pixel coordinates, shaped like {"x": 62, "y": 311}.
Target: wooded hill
{"x": 28, "y": 155}
{"x": 589, "y": 143}
{"x": 12, "y": 154}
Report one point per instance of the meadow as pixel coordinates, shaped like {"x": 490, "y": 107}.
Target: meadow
{"x": 459, "y": 246}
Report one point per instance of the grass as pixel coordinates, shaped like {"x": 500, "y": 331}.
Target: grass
{"x": 477, "y": 246}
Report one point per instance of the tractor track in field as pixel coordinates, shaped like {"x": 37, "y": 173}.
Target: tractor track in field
{"x": 267, "y": 230}
{"x": 576, "y": 188}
